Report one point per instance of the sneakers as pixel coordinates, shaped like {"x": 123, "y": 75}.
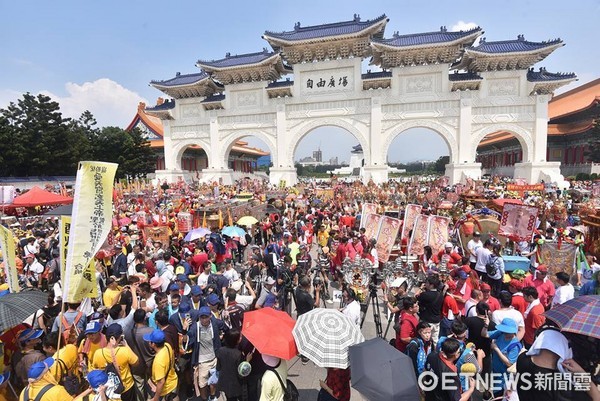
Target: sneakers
{"x": 329, "y": 301}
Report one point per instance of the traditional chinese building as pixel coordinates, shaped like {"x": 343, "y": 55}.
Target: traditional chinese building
{"x": 242, "y": 158}
{"x": 571, "y": 118}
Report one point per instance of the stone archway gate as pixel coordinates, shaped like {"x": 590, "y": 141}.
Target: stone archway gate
{"x": 240, "y": 96}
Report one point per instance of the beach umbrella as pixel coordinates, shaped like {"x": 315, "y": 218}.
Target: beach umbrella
{"x": 324, "y": 335}
{"x": 270, "y": 331}
{"x": 580, "y": 315}
{"x": 18, "y": 306}
{"x": 382, "y": 373}
{"x": 247, "y": 221}
{"x": 233, "y": 231}
{"x": 196, "y": 233}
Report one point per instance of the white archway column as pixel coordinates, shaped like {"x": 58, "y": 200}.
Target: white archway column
{"x": 284, "y": 173}
{"x": 172, "y": 172}
{"x": 217, "y": 170}
{"x": 377, "y": 170}
{"x": 463, "y": 165}
{"x": 539, "y": 168}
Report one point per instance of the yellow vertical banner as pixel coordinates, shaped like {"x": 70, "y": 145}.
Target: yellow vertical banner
{"x": 63, "y": 239}
{"x": 90, "y": 225}
{"x": 7, "y": 242}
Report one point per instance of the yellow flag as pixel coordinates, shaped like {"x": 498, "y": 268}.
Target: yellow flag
{"x": 220, "y": 219}
{"x": 7, "y": 241}
{"x": 65, "y": 228}
{"x": 90, "y": 225}
{"x": 229, "y": 219}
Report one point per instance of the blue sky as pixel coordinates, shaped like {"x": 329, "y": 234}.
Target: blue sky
{"x": 101, "y": 55}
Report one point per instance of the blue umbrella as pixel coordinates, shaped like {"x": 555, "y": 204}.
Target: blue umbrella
{"x": 197, "y": 233}
{"x": 233, "y": 231}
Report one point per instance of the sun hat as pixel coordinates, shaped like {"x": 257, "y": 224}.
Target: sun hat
{"x": 156, "y": 282}
{"x": 271, "y": 361}
{"x": 508, "y": 326}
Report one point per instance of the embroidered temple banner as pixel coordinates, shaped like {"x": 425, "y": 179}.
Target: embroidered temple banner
{"x": 419, "y": 235}
{"x": 372, "y": 225}
{"x": 367, "y": 209}
{"x": 437, "y": 232}
{"x": 556, "y": 259}
{"x": 410, "y": 215}
{"x": 386, "y": 238}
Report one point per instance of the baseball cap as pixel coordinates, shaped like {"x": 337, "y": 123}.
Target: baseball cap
{"x": 508, "y": 326}
{"x": 174, "y": 287}
{"x": 212, "y": 299}
{"x": 157, "y": 336}
{"x": 476, "y": 234}
{"x": 448, "y": 245}
{"x": 485, "y": 287}
{"x": 204, "y": 311}
{"x": 518, "y": 284}
{"x": 196, "y": 290}
{"x": 114, "y": 330}
{"x": 182, "y": 278}
{"x": 269, "y": 281}
{"x": 93, "y": 327}
{"x": 184, "y": 307}
{"x": 30, "y": 334}
{"x": 96, "y": 378}
{"x": 96, "y": 316}
{"x": 38, "y": 369}
{"x": 542, "y": 269}
{"x": 462, "y": 275}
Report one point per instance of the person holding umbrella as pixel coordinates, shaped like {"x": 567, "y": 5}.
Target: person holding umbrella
{"x": 336, "y": 386}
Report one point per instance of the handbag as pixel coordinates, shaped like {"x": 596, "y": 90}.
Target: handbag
{"x": 112, "y": 371}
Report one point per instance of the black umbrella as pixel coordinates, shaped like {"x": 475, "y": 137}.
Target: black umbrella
{"x": 18, "y": 306}
{"x": 382, "y": 373}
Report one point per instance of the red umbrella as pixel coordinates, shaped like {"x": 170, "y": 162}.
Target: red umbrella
{"x": 270, "y": 331}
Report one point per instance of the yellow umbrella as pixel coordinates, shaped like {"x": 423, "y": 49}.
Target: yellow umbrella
{"x": 247, "y": 221}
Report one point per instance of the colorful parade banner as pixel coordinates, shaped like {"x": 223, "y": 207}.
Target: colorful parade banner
{"x": 90, "y": 225}
{"x": 558, "y": 259}
{"x": 418, "y": 240}
{"x": 518, "y": 221}
{"x": 410, "y": 215}
{"x": 184, "y": 222}
{"x": 386, "y": 238}
{"x": 372, "y": 225}
{"x": 157, "y": 234}
{"x": 367, "y": 209}
{"x": 7, "y": 242}
{"x": 63, "y": 240}
{"x": 437, "y": 232}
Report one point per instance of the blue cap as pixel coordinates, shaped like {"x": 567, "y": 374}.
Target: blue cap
{"x": 93, "y": 327}
{"x": 96, "y": 316}
{"x": 204, "y": 311}
{"x": 38, "y": 369}
{"x": 114, "y": 330}
{"x": 174, "y": 287}
{"x": 4, "y": 377}
{"x": 196, "y": 290}
{"x": 462, "y": 275}
{"x": 182, "y": 277}
{"x": 157, "y": 336}
{"x": 30, "y": 334}
{"x": 213, "y": 299}
{"x": 508, "y": 326}
{"x": 96, "y": 378}
{"x": 184, "y": 307}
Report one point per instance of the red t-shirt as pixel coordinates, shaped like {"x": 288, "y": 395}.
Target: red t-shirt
{"x": 449, "y": 304}
{"x": 534, "y": 320}
{"x": 408, "y": 328}
{"x": 493, "y": 303}
{"x": 338, "y": 381}
{"x": 519, "y": 303}
{"x": 545, "y": 289}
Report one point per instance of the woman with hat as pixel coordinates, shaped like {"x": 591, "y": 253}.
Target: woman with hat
{"x": 276, "y": 373}
{"x": 505, "y": 349}
{"x": 41, "y": 385}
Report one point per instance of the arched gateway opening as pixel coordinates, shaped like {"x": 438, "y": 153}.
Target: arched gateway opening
{"x": 418, "y": 150}
{"x": 248, "y": 156}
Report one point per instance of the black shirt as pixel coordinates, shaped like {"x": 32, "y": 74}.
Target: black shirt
{"x": 304, "y": 301}
{"x": 430, "y": 306}
{"x": 436, "y": 365}
{"x": 475, "y": 325}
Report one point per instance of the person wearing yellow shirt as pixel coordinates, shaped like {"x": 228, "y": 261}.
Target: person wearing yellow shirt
{"x": 112, "y": 292}
{"x": 42, "y": 382}
{"x": 322, "y": 236}
{"x": 124, "y": 358}
{"x": 164, "y": 378}
{"x": 94, "y": 340}
{"x": 65, "y": 357}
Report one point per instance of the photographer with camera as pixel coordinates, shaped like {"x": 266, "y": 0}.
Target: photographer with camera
{"x": 285, "y": 284}
{"x": 305, "y": 302}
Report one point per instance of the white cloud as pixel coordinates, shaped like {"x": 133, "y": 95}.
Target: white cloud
{"x": 7, "y": 96}
{"x": 463, "y": 26}
{"x": 109, "y": 102}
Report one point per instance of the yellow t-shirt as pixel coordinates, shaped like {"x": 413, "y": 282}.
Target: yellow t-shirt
{"x": 125, "y": 358}
{"x": 90, "y": 355}
{"x": 56, "y": 393}
{"x": 67, "y": 354}
{"x": 164, "y": 366}
{"x": 322, "y": 237}
{"x": 110, "y": 297}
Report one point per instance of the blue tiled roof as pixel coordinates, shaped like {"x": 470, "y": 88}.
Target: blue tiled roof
{"x": 543, "y": 75}
{"x": 238, "y": 60}
{"x": 336, "y": 29}
{"x": 419, "y": 39}
{"x": 214, "y": 98}
{"x": 375, "y": 75}
{"x": 512, "y": 46}
{"x": 464, "y": 76}
{"x": 179, "y": 79}
{"x": 166, "y": 105}
{"x": 280, "y": 84}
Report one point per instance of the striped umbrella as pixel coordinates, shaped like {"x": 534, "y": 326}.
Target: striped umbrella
{"x": 580, "y": 315}
{"x": 16, "y": 307}
{"x": 324, "y": 335}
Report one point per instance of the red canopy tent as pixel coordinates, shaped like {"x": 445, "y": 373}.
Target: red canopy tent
{"x": 36, "y": 196}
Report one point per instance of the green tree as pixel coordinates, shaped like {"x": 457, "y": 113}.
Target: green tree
{"x": 440, "y": 164}
{"x": 129, "y": 149}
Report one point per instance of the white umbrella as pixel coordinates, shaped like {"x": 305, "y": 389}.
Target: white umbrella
{"x": 324, "y": 336}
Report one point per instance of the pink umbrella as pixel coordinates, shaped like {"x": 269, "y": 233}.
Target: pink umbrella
{"x": 125, "y": 221}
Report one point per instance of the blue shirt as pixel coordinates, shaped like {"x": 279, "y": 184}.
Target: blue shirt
{"x": 513, "y": 353}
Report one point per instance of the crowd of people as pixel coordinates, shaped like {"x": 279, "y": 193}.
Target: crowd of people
{"x": 167, "y": 322}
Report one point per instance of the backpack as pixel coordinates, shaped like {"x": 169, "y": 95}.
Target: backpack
{"x": 70, "y": 381}
{"x": 70, "y": 332}
{"x": 490, "y": 268}
{"x": 290, "y": 392}
{"x": 114, "y": 378}
{"x": 421, "y": 354}
{"x": 39, "y": 396}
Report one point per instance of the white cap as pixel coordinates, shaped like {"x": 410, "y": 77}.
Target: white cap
{"x": 448, "y": 245}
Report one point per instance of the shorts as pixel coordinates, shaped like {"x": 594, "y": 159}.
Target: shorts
{"x": 202, "y": 373}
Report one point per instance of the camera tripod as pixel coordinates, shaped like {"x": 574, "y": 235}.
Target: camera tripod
{"x": 372, "y": 298}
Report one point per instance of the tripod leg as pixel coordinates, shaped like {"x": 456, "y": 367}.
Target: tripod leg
{"x": 389, "y": 322}
{"x": 376, "y": 315}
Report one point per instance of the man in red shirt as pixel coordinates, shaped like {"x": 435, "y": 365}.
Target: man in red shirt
{"x": 450, "y": 310}
{"x": 518, "y": 302}
{"x": 542, "y": 284}
{"x": 408, "y": 323}
{"x": 534, "y": 315}
{"x": 493, "y": 303}
{"x": 447, "y": 256}
{"x": 462, "y": 293}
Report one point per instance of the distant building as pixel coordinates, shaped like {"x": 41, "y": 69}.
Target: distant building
{"x": 318, "y": 155}
{"x": 309, "y": 161}
{"x": 334, "y": 161}
{"x": 357, "y": 163}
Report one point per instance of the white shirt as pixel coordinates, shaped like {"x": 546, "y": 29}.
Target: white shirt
{"x": 483, "y": 257}
{"x": 563, "y": 294}
{"x": 469, "y": 311}
{"x": 473, "y": 245}
{"x": 500, "y": 314}
{"x": 232, "y": 275}
{"x": 352, "y": 310}
{"x": 203, "y": 280}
